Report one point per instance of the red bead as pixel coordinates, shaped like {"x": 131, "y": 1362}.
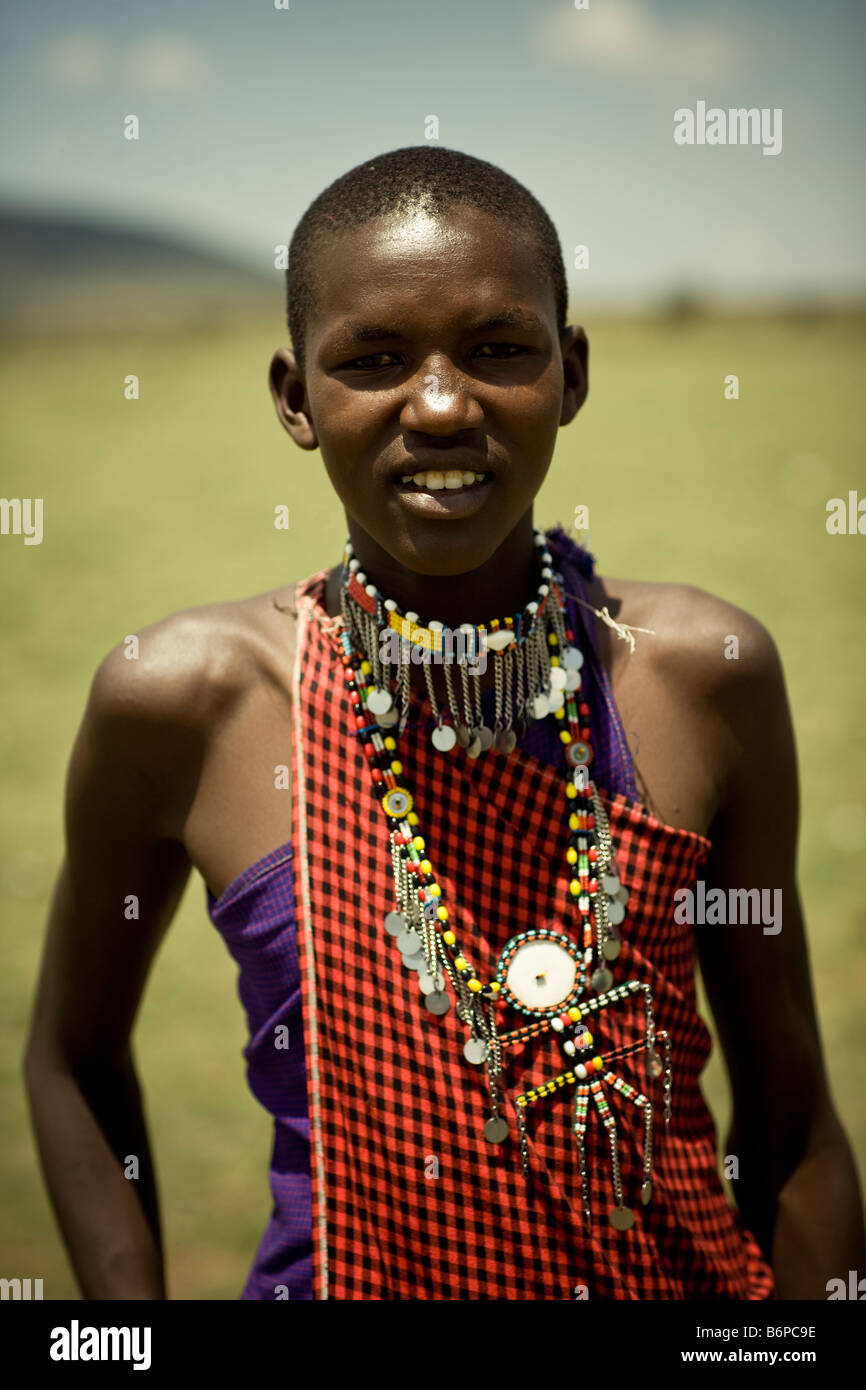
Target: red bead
{"x": 590, "y": 822}
{"x": 569, "y": 634}
{"x": 354, "y": 697}
{"x": 376, "y": 774}
{"x": 369, "y": 751}
{"x": 592, "y": 855}
{"x": 361, "y": 721}
{"x": 585, "y": 734}
{"x": 349, "y": 674}
{"x": 583, "y": 707}
{"x": 593, "y": 885}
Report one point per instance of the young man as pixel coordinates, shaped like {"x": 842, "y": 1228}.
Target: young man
{"x": 477, "y": 1051}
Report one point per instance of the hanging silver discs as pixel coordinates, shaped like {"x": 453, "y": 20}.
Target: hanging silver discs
{"x": 540, "y": 707}
{"x": 615, "y": 911}
{"x": 622, "y": 1218}
{"x": 409, "y": 942}
{"x": 572, "y": 658}
{"x": 623, "y": 896}
{"x": 610, "y": 883}
{"x": 505, "y": 740}
{"x": 601, "y": 979}
{"x": 496, "y": 1130}
{"x": 572, "y": 681}
{"x": 395, "y": 923}
{"x": 417, "y": 963}
{"x": 646, "y": 1191}
{"x": 388, "y": 719}
{"x": 426, "y": 983}
{"x": 486, "y": 737}
{"x": 557, "y": 678}
{"x": 474, "y": 747}
{"x": 475, "y": 1051}
{"x": 462, "y": 735}
{"x": 611, "y": 948}
{"x": 379, "y": 701}
{"x": 555, "y": 700}
{"x": 443, "y": 738}
{"x": 437, "y": 1002}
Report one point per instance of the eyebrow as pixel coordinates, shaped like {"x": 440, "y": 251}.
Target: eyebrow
{"x": 359, "y": 332}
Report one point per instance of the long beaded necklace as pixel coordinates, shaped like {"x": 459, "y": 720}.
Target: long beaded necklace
{"x": 541, "y": 974}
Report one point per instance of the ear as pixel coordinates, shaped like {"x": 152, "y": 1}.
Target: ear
{"x": 575, "y": 366}
{"x": 290, "y": 399}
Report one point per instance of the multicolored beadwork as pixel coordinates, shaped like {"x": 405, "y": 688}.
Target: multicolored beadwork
{"x": 541, "y": 974}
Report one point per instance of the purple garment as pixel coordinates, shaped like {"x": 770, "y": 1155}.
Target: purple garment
{"x": 256, "y": 918}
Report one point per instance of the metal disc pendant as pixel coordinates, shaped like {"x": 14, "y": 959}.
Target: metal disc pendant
{"x": 496, "y": 1130}
{"x": 443, "y": 737}
{"x": 486, "y": 736}
{"x": 557, "y": 678}
{"x": 409, "y": 943}
{"x": 426, "y": 983}
{"x": 572, "y": 658}
{"x": 611, "y": 948}
{"x": 610, "y": 883}
{"x": 396, "y": 923}
{"x": 555, "y": 700}
{"x": 540, "y": 707}
{"x": 646, "y": 1192}
{"x": 388, "y": 718}
{"x": 572, "y": 681}
{"x": 475, "y": 1051}
{"x": 623, "y": 896}
{"x": 505, "y": 740}
{"x": 474, "y": 747}
{"x": 601, "y": 979}
{"x": 437, "y": 1002}
{"x": 417, "y": 963}
{"x": 379, "y": 702}
{"x": 622, "y": 1218}
{"x": 615, "y": 911}
{"x": 462, "y": 734}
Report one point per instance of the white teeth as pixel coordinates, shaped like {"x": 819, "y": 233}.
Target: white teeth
{"x": 451, "y": 478}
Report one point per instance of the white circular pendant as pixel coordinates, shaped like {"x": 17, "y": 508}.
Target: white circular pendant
{"x": 540, "y": 975}
{"x": 557, "y": 678}
{"x": 379, "y": 701}
{"x": 443, "y": 737}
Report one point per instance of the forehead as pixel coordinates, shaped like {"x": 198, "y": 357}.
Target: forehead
{"x": 427, "y": 267}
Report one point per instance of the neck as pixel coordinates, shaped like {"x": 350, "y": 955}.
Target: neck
{"x": 502, "y": 585}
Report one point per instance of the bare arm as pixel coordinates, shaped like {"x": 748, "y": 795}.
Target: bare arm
{"x": 131, "y": 766}
{"x": 797, "y": 1187}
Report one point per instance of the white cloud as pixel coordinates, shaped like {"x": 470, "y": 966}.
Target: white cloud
{"x": 627, "y": 38}
{"x": 153, "y": 62}
{"x": 76, "y": 60}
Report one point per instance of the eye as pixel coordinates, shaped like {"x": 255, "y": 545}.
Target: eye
{"x": 504, "y": 350}
{"x": 370, "y": 362}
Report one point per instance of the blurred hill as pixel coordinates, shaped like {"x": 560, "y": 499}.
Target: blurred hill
{"x": 65, "y": 275}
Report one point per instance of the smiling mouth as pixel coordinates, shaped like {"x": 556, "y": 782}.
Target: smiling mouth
{"x": 442, "y": 480}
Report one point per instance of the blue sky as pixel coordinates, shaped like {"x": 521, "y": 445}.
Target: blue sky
{"x": 247, "y": 112}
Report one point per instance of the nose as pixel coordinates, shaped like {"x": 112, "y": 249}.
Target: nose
{"x": 440, "y": 400}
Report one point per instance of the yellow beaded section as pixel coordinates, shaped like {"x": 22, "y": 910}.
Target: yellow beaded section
{"x": 547, "y": 1088}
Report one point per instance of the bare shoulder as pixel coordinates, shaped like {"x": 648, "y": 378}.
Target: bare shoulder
{"x": 163, "y": 696}
{"x": 186, "y": 667}
{"x": 693, "y": 635}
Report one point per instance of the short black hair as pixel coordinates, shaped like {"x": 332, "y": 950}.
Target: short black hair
{"x": 429, "y": 176}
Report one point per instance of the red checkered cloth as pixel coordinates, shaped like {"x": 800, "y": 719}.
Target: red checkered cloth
{"x": 410, "y": 1201}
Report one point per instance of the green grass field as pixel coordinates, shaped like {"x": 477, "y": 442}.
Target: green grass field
{"x": 156, "y": 505}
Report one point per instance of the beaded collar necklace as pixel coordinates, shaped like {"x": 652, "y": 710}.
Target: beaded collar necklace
{"x": 542, "y": 974}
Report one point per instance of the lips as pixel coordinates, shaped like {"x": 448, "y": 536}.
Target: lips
{"x": 432, "y": 502}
